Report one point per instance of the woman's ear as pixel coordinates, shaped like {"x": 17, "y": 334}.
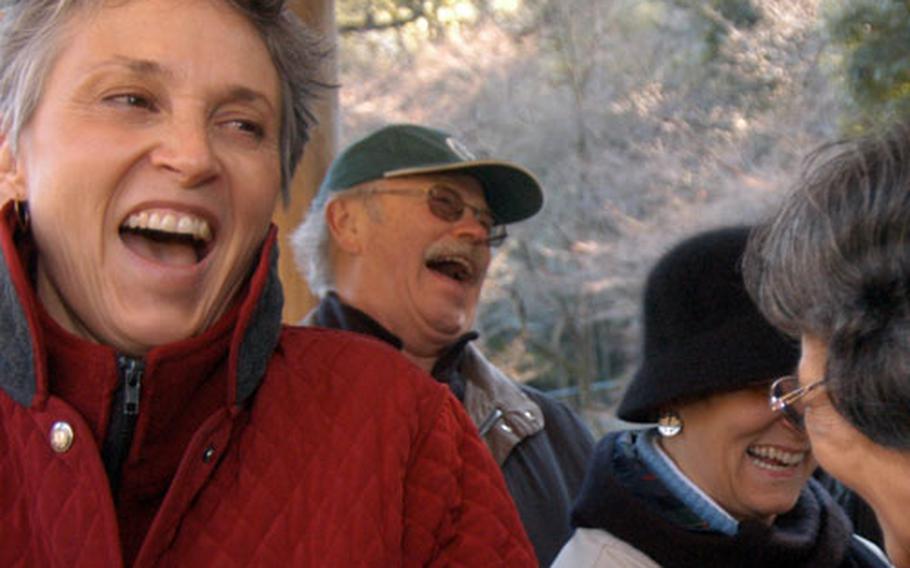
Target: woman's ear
{"x": 12, "y": 179}
{"x": 346, "y": 220}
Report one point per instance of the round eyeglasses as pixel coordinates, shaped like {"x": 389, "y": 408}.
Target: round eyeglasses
{"x": 447, "y": 205}
{"x": 786, "y": 396}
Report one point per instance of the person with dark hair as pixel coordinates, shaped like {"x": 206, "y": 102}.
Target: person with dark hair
{"x": 832, "y": 267}
{"x": 154, "y": 411}
{"x": 397, "y": 245}
{"x": 720, "y": 480}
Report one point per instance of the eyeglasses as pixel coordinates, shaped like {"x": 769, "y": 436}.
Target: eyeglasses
{"x": 786, "y": 396}
{"x": 446, "y": 204}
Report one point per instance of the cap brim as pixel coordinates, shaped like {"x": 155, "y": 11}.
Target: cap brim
{"x": 512, "y": 192}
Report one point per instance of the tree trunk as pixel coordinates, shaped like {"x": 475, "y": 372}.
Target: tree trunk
{"x": 319, "y": 152}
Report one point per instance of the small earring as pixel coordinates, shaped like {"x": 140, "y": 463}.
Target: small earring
{"x": 669, "y": 424}
{"x": 20, "y": 208}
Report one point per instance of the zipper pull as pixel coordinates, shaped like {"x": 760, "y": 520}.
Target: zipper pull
{"x": 489, "y": 422}
{"x": 132, "y": 370}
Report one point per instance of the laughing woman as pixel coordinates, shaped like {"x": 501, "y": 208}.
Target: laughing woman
{"x": 833, "y": 268}
{"x": 153, "y": 409}
{"x": 722, "y": 480}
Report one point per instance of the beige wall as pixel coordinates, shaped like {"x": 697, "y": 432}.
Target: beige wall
{"x": 319, "y": 152}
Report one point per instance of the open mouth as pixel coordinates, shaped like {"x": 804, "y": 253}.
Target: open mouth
{"x": 775, "y": 459}
{"x": 457, "y": 268}
{"x": 166, "y": 237}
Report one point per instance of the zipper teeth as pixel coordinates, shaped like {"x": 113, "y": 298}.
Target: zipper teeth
{"x": 123, "y": 422}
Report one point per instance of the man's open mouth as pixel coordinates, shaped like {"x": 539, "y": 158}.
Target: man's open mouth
{"x": 457, "y": 268}
{"x": 167, "y": 237}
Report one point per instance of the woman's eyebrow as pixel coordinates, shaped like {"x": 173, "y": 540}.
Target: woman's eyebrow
{"x": 234, "y": 93}
{"x": 133, "y": 65}
{"x": 245, "y": 94}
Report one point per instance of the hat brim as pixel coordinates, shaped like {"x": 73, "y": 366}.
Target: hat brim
{"x": 512, "y": 192}
{"x": 706, "y": 364}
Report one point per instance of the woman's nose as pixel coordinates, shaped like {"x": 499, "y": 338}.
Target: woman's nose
{"x": 186, "y": 150}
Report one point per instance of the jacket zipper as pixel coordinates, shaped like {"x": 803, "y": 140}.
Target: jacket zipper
{"x": 131, "y": 371}
{"x": 123, "y": 419}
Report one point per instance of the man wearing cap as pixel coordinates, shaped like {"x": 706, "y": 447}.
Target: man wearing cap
{"x": 397, "y": 245}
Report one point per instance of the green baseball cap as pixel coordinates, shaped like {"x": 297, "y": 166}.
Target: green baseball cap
{"x": 398, "y": 150}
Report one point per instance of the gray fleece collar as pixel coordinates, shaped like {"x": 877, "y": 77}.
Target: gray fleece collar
{"x": 17, "y": 357}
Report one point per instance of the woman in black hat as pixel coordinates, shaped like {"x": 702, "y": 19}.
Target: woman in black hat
{"x": 721, "y": 480}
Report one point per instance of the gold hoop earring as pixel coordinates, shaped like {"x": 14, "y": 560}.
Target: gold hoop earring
{"x": 20, "y": 208}
{"x": 669, "y": 424}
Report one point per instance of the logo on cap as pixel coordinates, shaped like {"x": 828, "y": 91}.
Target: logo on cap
{"x": 460, "y": 149}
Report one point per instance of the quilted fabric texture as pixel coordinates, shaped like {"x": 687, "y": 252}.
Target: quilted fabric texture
{"x": 344, "y": 455}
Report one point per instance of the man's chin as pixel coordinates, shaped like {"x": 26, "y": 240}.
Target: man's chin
{"x": 450, "y": 326}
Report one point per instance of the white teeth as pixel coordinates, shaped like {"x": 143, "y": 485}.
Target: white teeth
{"x": 185, "y": 225}
{"x": 787, "y": 459}
{"x": 139, "y": 221}
{"x": 203, "y": 231}
{"x": 167, "y": 222}
{"x": 769, "y": 466}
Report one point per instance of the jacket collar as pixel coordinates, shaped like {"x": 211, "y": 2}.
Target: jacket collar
{"x": 333, "y": 313}
{"x": 24, "y": 377}
{"x": 503, "y": 413}
{"x": 815, "y": 532}
{"x": 23, "y": 360}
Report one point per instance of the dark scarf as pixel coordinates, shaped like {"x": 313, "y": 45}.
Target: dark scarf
{"x": 622, "y": 497}
{"x": 335, "y": 314}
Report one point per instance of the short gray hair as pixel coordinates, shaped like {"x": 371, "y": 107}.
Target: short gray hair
{"x": 311, "y": 242}
{"x": 834, "y": 263}
{"x": 30, "y": 32}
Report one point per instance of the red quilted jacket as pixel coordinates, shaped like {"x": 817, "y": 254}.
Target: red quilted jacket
{"x": 290, "y": 447}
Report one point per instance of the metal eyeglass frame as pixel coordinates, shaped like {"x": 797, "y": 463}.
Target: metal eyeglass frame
{"x": 785, "y": 403}
{"x": 496, "y": 232}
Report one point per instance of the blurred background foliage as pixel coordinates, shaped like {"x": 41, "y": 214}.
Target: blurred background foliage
{"x": 646, "y": 121}
{"x": 874, "y": 41}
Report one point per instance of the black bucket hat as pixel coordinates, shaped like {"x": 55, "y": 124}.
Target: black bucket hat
{"x": 702, "y": 332}
{"x": 397, "y": 150}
